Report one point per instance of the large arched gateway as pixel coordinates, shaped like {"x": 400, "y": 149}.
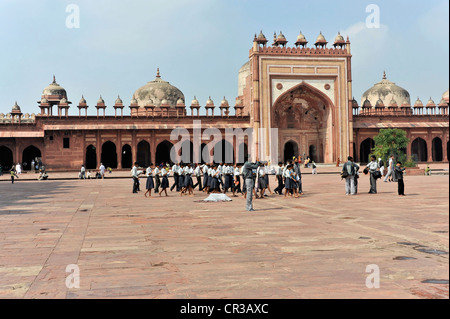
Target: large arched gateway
{"x": 304, "y": 119}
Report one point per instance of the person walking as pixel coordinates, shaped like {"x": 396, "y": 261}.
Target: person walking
{"x": 135, "y": 175}
{"x": 18, "y": 169}
{"x": 82, "y": 172}
{"x": 349, "y": 170}
{"x": 102, "y": 170}
{"x": 149, "y": 185}
{"x": 373, "y": 167}
{"x": 13, "y": 174}
{"x": 175, "y": 168}
{"x": 398, "y": 176}
{"x": 279, "y": 176}
{"x": 236, "y": 180}
{"x": 198, "y": 176}
{"x": 298, "y": 172}
{"x": 381, "y": 166}
{"x": 164, "y": 181}
{"x": 249, "y": 182}
{"x": 156, "y": 175}
{"x": 390, "y": 169}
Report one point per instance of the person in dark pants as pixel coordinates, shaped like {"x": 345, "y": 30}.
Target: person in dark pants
{"x": 250, "y": 183}
{"x": 373, "y": 167}
{"x": 157, "y": 174}
{"x": 13, "y": 174}
{"x": 279, "y": 176}
{"x": 398, "y": 176}
{"x": 135, "y": 175}
{"x": 198, "y": 176}
{"x": 175, "y": 168}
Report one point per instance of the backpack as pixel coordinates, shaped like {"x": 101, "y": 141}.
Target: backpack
{"x": 345, "y": 172}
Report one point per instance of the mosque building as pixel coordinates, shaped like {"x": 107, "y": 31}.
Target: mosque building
{"x": 295, "y": 101}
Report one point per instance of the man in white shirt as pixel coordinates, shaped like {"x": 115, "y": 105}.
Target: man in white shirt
{"x": 279, "y": 175}
{"x": 175, "y": 168}
{"x": 135, "y": 175}
{"x": 198, "y": 176}
{"x": 373, "y": 167}
{"x": 102, "y": 170}
{"x": 157, "y": 174}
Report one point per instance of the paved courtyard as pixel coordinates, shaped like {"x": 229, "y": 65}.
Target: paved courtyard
{"x": 129, "y": 246}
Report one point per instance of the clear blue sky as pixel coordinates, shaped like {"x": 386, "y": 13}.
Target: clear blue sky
{"x": 199, "y": 45}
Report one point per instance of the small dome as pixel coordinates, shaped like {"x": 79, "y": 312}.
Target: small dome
{"x": 431, "y": 103}
{"x": 354, "y": 103}
{"x": 16, "y": 107}
{"x": 366, "y": 103}
{"x": 82, "y": 100}
{"x": 239, "y": 102}
{"x": 321, "y": 39}
{"x": 379, "y": 103}
{"x": 443, "y": 103}
{"x": 158, "y": 90}
{"x": 418, "y": 103}
{"x": 301, "y": 37}
{"x": 148, "y": 102}
{"x": 281, "y": 37}
{"x": 406, "y": 103}
{"x": 180, "y": 102}
{"x": 100, "y": 100}
{"x": 164, "y": 102}
{"x": 54, "y": 89}
{"x": 209, "y": 102}
{"x": 63, "y": 101}
{"x": 133, "y": 100}
{"x": 385, "y": 91}
{"x": 261, "y": 38}
{"x": 118, "y": 100}
{"x": 195, "y": 102}
{"x": 224, "y": 102}
{"x": 445, "y": 96}
{"x": 44, "y": 101}
{"x": 393, "y": 103}
{"x": 339, "y": 38}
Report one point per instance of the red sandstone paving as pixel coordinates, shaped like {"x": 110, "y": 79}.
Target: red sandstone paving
{"x": 129, "y": 246}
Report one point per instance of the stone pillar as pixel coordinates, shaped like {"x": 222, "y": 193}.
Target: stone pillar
{"x": 98, "y": 149}
{"x": 408, "y": 148}
{"x": 119, "y": 149}
{"x": 429, "y": 146}
{"x": 444, "y": 147}
{"x": 153, "y": 147}
{"x": 133, "y": 147}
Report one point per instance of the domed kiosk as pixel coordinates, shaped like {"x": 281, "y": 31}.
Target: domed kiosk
{"x": 385, "y": 91}
{"x": 157, "y": 91}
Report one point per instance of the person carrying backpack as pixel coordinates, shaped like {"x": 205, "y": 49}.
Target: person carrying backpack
{"x": 349, "y": 170}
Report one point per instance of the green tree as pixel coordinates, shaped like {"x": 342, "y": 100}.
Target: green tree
{"x": 391, "y": 142}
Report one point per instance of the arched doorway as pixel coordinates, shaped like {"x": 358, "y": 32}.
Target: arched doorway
{"x": 419, "y": 150}
{"x": 6, "y": 158}
{"x": 163, "y": 151}
{"x": 109, "y": 155}
{"x": 126, "y": 156}
{"x": 30, "y": 153}
{"x": 223, "y": 152}
{"x": 366, "y": 149}
{"x": 242, "y": 153}
{"x": 143, "y": 154}
{"x": 436, "y": 148}
{"x": 204, "y": 154}
{"x": 313, "y": 153}
{"x": 290, "y": 150}
{"x": 305, "y": 108}
{"x": 187, "y": 152}
{"x": 91, "y": 157}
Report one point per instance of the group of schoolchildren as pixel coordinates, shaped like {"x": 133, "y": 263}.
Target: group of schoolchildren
{"x": 211, "y": 178}
{"x": 218, "y": 178}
